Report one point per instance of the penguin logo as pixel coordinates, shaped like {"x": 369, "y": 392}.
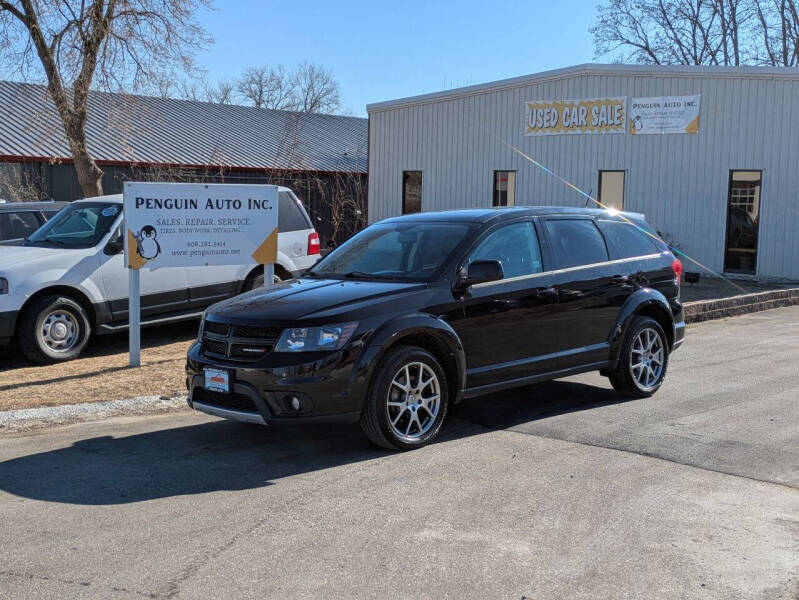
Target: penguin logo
{"x": 637, "y": 123}
{"x": 146, "y": 243}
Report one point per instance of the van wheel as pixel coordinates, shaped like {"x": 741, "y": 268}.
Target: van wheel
{"x": 258, "y": 281}
{"x": 53, "y": 329}
{"x": 643, "y": 360}
{"x": 407, "y": 402}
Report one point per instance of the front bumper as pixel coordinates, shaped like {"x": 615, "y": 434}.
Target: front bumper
{"x": 280, "y": 387}
{"x": 8, "y": 321}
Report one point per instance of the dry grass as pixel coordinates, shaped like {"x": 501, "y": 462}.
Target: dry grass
{"x": 102, "y": 373}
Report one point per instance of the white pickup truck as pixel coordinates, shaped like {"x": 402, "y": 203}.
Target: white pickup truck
{"x": 67, "y": 281}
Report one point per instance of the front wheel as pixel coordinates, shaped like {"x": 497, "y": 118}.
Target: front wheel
{"x": 53, "y": 329}
{"x": 643, "y": 359}
{"x": 407, "y": 402}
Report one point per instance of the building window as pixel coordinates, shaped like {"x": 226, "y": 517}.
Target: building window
{"x": 411, "y": 192}
{"x": 504, "y": 188}
{"x": 611, "y": 189}
{"x": 743, "y": 216}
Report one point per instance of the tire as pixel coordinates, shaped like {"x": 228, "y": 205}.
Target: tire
{"x": 413, "y": 417}
{"x": 258, "y": 281}
{"x": 627, "y": 379}
{"x": 54, "y": 329}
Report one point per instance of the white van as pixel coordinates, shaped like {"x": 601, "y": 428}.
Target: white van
{"x": 67, "y": 280}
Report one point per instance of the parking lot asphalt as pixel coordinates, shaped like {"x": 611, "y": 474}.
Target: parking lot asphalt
{"x": 558, "y": 490}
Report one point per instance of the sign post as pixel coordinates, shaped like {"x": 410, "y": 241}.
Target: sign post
{"x": 195, "y": 225}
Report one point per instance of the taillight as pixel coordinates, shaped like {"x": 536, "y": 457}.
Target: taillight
{"x": 313, "y": 243}
{"x": 676, "y": 266}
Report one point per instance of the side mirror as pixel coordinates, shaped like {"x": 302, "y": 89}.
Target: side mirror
{"x": 114, "y": 246}
{"x": 482, "y": 271}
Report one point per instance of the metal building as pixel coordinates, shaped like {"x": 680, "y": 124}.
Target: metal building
{"x": 141, "y": 138}
{"x": 709, "y": 154}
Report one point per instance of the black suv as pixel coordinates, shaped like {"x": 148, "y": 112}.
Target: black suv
{"x": 417, "y": 312}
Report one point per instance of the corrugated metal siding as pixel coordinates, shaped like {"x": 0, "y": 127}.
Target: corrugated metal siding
{"x": 679, "y": 181}
{"x": 143, "y": 129}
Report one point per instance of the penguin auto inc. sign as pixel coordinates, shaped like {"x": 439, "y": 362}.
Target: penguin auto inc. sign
{"x": 198, "y": 224}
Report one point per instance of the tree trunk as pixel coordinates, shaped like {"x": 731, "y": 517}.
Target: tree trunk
{"x": 89, "y": 174}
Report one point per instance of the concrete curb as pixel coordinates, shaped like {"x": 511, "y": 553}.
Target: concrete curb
{"x": 705, "y": 310}
{"x": 31, "y": 418}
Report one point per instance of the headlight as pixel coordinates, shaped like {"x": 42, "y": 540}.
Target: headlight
{"x": 310, "y": 339}
{"x": 3, "y": 285}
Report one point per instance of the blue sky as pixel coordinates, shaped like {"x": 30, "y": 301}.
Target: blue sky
{"x": 386, "y": 50}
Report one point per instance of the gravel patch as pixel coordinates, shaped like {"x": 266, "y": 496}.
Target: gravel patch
{"x": 31, "y": 418}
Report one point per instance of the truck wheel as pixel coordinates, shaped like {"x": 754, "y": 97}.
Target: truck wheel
{"x": 53, "y": 329}
{"x": 643, "y": 360}
{"x": 407, "y": 402}
{"x": 258, "y": 281}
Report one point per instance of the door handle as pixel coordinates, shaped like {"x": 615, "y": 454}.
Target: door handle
{"x": 546, "y": 292}
{"x": 621, "y": 280}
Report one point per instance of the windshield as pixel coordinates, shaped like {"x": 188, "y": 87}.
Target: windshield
{"x": 79, "y": 225}
{"x": 393, "y": 251}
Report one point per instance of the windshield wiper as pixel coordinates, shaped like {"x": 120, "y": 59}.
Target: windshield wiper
{"x": 360, "y": 275}
{"x": 55, "y": 241}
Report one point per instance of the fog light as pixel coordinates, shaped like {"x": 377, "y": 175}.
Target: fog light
{"x": 295, "y": 403}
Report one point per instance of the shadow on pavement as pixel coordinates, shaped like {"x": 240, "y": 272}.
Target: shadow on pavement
{"x": 223, "y": 455}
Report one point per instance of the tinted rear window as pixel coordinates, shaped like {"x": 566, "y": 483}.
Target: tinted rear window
{"x": 575, "y": 242}
{"x": 291, "y": 216}
{"x": 16, "y": 225}
{"x": 625, "y": 240}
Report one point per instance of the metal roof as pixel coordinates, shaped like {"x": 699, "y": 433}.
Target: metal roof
{"x": 790, "y": 73}
{"x": 125, "y": 129}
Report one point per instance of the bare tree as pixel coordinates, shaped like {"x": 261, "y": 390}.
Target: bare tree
{"x": 267, "y": 87}
{"x": 221, "y": 92}
{"x": 315, "y": 89}
{"x": 699, "y": 32}
{"x": 113, "y": 44}
{"x": 778, "y": 28}
{"x": 309, "y": 88}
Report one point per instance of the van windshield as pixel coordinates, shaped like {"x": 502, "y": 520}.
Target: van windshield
{"x": 394, "y": 251}
{"x": 79, "y": 225}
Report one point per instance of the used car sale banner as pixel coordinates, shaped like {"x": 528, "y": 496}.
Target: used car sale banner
{"x": 198, "y": 224}
{"x": 595, "y": 115}
{"x": 664, "y": 114}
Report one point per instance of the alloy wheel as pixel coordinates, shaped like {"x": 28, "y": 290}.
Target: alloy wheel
{"x": 414, "y": 401}
{"x": 646, "y": 358}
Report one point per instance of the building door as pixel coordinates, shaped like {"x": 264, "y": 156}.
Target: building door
{"x": 411, "y": 192}
{"x": 504, "y": 188}
{"x": 611, "y": 189}
{"x": 743, "y": 216}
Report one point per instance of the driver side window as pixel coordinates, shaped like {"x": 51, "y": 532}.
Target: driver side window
{"x": 515, "y": 246}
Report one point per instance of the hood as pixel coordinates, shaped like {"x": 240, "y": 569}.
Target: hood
{"x": 315, "y": 299}
{"x": 11, "y": 256}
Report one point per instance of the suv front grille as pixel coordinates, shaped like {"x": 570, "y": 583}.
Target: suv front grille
{"x": 214, "y": 346}
{"x": 245, "y": 343}
{"x": 217, "y": 328}
{"x": 249, "y": 331}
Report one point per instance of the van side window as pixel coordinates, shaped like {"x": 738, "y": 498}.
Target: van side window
{"x": 515, "y": 246}
{"x": 575, "y": 242}
{"x": 626, "y": 240}
{"x": 290, "y": 215}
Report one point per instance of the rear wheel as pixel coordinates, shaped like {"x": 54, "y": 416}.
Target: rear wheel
{"x": 53, "y": 329}
{"x": 407, "y": 402}
{"x": 258, "y": 281}
{"x": 643, "y": 359}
